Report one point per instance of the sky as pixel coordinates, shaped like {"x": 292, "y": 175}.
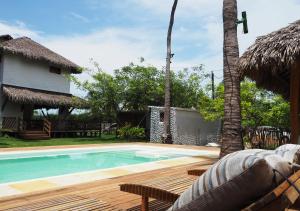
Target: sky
{"x": 117, "y": 32}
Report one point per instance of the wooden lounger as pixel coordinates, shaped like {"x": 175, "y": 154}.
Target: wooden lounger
{"x": 198, "y": 171}
{"x": 65, "y": 203}
{"x": 169, "y": 189}
{"x": 166, "y": 189}
{"x": 282, "y": 197}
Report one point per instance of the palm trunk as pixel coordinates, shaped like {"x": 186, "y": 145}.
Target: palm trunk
{"x": 167, "y": 137}
{"x": 231, "y": 137}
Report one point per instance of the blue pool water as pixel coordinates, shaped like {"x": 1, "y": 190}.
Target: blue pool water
{"x": 37, "y": 165}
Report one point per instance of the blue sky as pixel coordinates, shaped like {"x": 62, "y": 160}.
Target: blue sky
{"x": 67, "y": 17}
{"x": 115, "y": 33}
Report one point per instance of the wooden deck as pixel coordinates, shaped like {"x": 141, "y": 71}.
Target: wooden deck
{"x": 101, "y": 191}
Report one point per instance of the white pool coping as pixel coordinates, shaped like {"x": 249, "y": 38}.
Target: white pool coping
{"x": 52, "y": 182}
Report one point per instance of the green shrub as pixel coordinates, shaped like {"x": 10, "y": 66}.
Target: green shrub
{"x": 131, "y": 132}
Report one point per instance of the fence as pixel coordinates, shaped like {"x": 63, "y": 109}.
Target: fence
{"x": 267, "y": 137}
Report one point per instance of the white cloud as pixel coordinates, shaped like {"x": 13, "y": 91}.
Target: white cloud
{"x": 75, "y": 15}
{"x": 265, "y": 16}
{"x": 186, "y": 8}
{"x": 111, "y": 48}
{"x": 18, "y": 29}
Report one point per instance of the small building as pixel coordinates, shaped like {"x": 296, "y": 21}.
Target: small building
{"x": 187, "y": 126}
{"x": 32, "y": 77}
{"x": 273, "y": 62}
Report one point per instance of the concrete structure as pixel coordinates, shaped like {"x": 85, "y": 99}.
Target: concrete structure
{"x": 187, "y": 127}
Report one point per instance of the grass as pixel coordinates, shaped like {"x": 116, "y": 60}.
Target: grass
{"x": 6, "y": 142}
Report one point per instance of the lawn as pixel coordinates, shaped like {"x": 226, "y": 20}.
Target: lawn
{"x": 6, "y": 142}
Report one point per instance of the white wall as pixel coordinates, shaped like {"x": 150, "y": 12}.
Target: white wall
{"x": 187, "y": 127}
{"x": 191, "y": 128}
{"x": 19, "y": 71}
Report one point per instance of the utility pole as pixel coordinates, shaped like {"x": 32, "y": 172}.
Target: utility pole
{"x": 212, "y": 85}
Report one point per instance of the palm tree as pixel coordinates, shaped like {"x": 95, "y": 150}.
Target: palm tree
{"x": 167, "y": 138}
{"x": 231, "y": 137}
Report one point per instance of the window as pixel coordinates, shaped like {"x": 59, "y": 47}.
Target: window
{"x": 161, "y": 116}
{"x": 55, "y": 70}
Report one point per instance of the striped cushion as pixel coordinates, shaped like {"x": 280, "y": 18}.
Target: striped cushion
{"x": 242, "y": 176}
{"x": 290, "y": 152}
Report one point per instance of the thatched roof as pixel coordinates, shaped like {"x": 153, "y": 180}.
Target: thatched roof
{"x": 269, "y": 60}
{"x": 30, "y": 49}
{"x": 41, "y": 98}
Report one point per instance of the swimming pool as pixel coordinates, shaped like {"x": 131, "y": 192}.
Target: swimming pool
{"x": 31, "y": 165}
{"x": 44, "y": 169}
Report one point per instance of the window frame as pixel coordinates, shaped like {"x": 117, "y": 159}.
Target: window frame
{"x": 55, "y": 70}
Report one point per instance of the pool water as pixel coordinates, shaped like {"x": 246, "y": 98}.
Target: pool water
{"x": 24, "y": 167}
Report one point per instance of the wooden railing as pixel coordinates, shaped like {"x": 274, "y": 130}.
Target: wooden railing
{"x": 13, "y": 124}
{"x": 268, "y": 137}
{"x": 10, "y": 123}
{"x": 76, "y": 125}
{"x": 47, "y": 127}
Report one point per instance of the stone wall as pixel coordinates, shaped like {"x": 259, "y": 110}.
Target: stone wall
{"x": 156, "y": 126}
{"x": 187, "y": 127}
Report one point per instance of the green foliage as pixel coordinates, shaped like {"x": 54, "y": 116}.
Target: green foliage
{"x": 135, "y": 87}
{"x": 186, "y": 87}
{"x": 259, "y": 107}
{"x": 140, "y": 87}
{"x": 131, "y": 132}
{"x": 212, "y": 109}
{"x": 103, "y": 93}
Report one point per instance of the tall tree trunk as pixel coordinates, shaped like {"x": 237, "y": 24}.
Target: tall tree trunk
{"x": 231, "y": 137}
{"x": 167, "y": 137}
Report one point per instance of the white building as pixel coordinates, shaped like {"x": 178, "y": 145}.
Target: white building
{"x": 187, "y": 126}
{"x": 32, "y": 77}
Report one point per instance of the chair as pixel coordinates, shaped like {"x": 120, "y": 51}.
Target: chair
{"x": 283, "y": 197}
{"x": 168, "y": 189}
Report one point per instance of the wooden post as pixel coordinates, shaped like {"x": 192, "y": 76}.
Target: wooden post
{"x": 18, "y": 124}
{"x": 294, "y": 101}
{"x": 100, "y": 129}
{"x": 145, "y": 203}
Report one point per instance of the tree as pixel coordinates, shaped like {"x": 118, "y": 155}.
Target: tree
{"x": 231, "y": 136}
{"x": 140, "y": 87}
{"x": 258, "y": 106}
{"x": 167, "y": 138}
{"x": 135, "y": 87}
{"x": 103, "y": 93}
{"x": 186, "y": 87}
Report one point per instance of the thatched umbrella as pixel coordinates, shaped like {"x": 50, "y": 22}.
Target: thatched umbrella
{"x": 273, "y": 61}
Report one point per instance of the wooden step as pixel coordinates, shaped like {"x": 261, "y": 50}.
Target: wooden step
{"x": 33, "y": 135}
{"x": 32, "y": 131}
